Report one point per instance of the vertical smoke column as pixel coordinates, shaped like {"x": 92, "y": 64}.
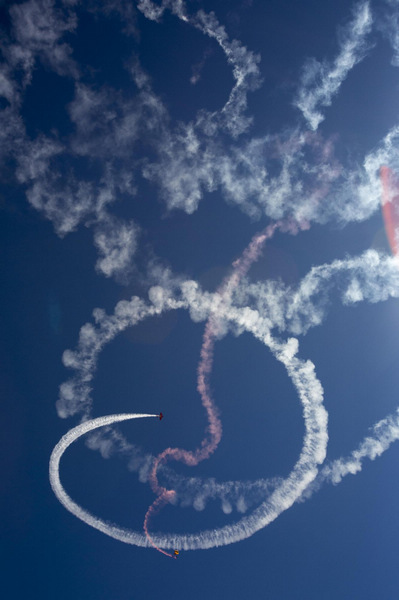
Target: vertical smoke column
{"x": 390, "y": 207}
{"x": 214, "y": 429}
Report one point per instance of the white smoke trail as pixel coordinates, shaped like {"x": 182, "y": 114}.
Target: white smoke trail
{"x": 371, "y": 276}
{"x": 244, "y": 63}
{"x": 284, "y": 496}
{"x": 287, "y": 491}
{"x": 368, "y": 277}
{"x": 383, "y": 434}
{"x": 321, "y": 81}
{"x": 58, "y": 489}
{"x": 308, "y": 387}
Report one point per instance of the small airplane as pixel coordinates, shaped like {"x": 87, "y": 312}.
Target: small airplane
{"x": 176, "y": 553}
{"x": 160, "y": 416}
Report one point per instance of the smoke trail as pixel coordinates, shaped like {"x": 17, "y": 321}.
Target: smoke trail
{"x": 214, "y": 428}
{"x": 384, "y": 433}
{"x": 303, "y": 376}
{"x": 390, "y": 197}
{"x": 71, "y": 436}
{"x": 374, "y": 277}
{"x": 321, "y": 81}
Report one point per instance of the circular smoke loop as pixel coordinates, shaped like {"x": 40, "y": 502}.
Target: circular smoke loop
{"x": 286, "y": 492}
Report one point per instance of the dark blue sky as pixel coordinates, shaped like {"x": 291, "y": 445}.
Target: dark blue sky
{"x": 142, "y": 146}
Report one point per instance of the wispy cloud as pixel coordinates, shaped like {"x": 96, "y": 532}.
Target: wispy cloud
{"x": 116, "y": 242}
{"x": 198, "y": 67}
{"x": 288, "y": 175}
{"x": 37, "y": 30}
{"x": 388, "y": 24}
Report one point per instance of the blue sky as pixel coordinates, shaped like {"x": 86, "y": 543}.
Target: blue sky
{"x": 143, "y": 145}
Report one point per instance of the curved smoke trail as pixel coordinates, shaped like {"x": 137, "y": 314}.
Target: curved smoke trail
{"x": 58, "y": 489}
{"x": 314, "y": 94}
{"x": 370, "y": 277}
{"x": 285, "y": 493}
{"x": 214, "y": 428}
{"x": 283, "y": 497}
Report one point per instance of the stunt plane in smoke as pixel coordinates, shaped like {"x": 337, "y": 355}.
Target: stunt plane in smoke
{"x": 176, "y": 553}
{"x": 160, "y": 416}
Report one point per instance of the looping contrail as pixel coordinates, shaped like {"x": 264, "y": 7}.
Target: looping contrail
{"x": 71, "y": 436}
{"x": 214, "y": 428}
{"x": 376, "y": 277}
{"x": 286, "y": 491}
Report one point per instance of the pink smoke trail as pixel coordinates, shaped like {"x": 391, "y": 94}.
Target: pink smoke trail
{"x": 390, "y": 207}
{"x": 214, "y": 429}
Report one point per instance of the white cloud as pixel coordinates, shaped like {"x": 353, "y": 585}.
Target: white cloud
{"x": 197, "y": 68}
{"x": 7, "y": 89}
{"x": 150, "y": 10}
{"x": 37, "y": 28}
{"x": 12, "y": 134}
{"x": 116, "y": 242}
{"x": 34, "y": 161}
{"x": 388, "y": 24}
{"x": 66, "y": 206}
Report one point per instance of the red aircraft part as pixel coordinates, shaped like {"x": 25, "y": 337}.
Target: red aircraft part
{"x": 390, "y": 207}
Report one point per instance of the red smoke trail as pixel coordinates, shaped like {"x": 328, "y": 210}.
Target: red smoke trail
{"x": 390, "y": 206}
{"x": 214, "y": 428}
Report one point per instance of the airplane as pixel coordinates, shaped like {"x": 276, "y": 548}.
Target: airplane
{"x": 160, "y": 416}
{"x": 176, "y": 553}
